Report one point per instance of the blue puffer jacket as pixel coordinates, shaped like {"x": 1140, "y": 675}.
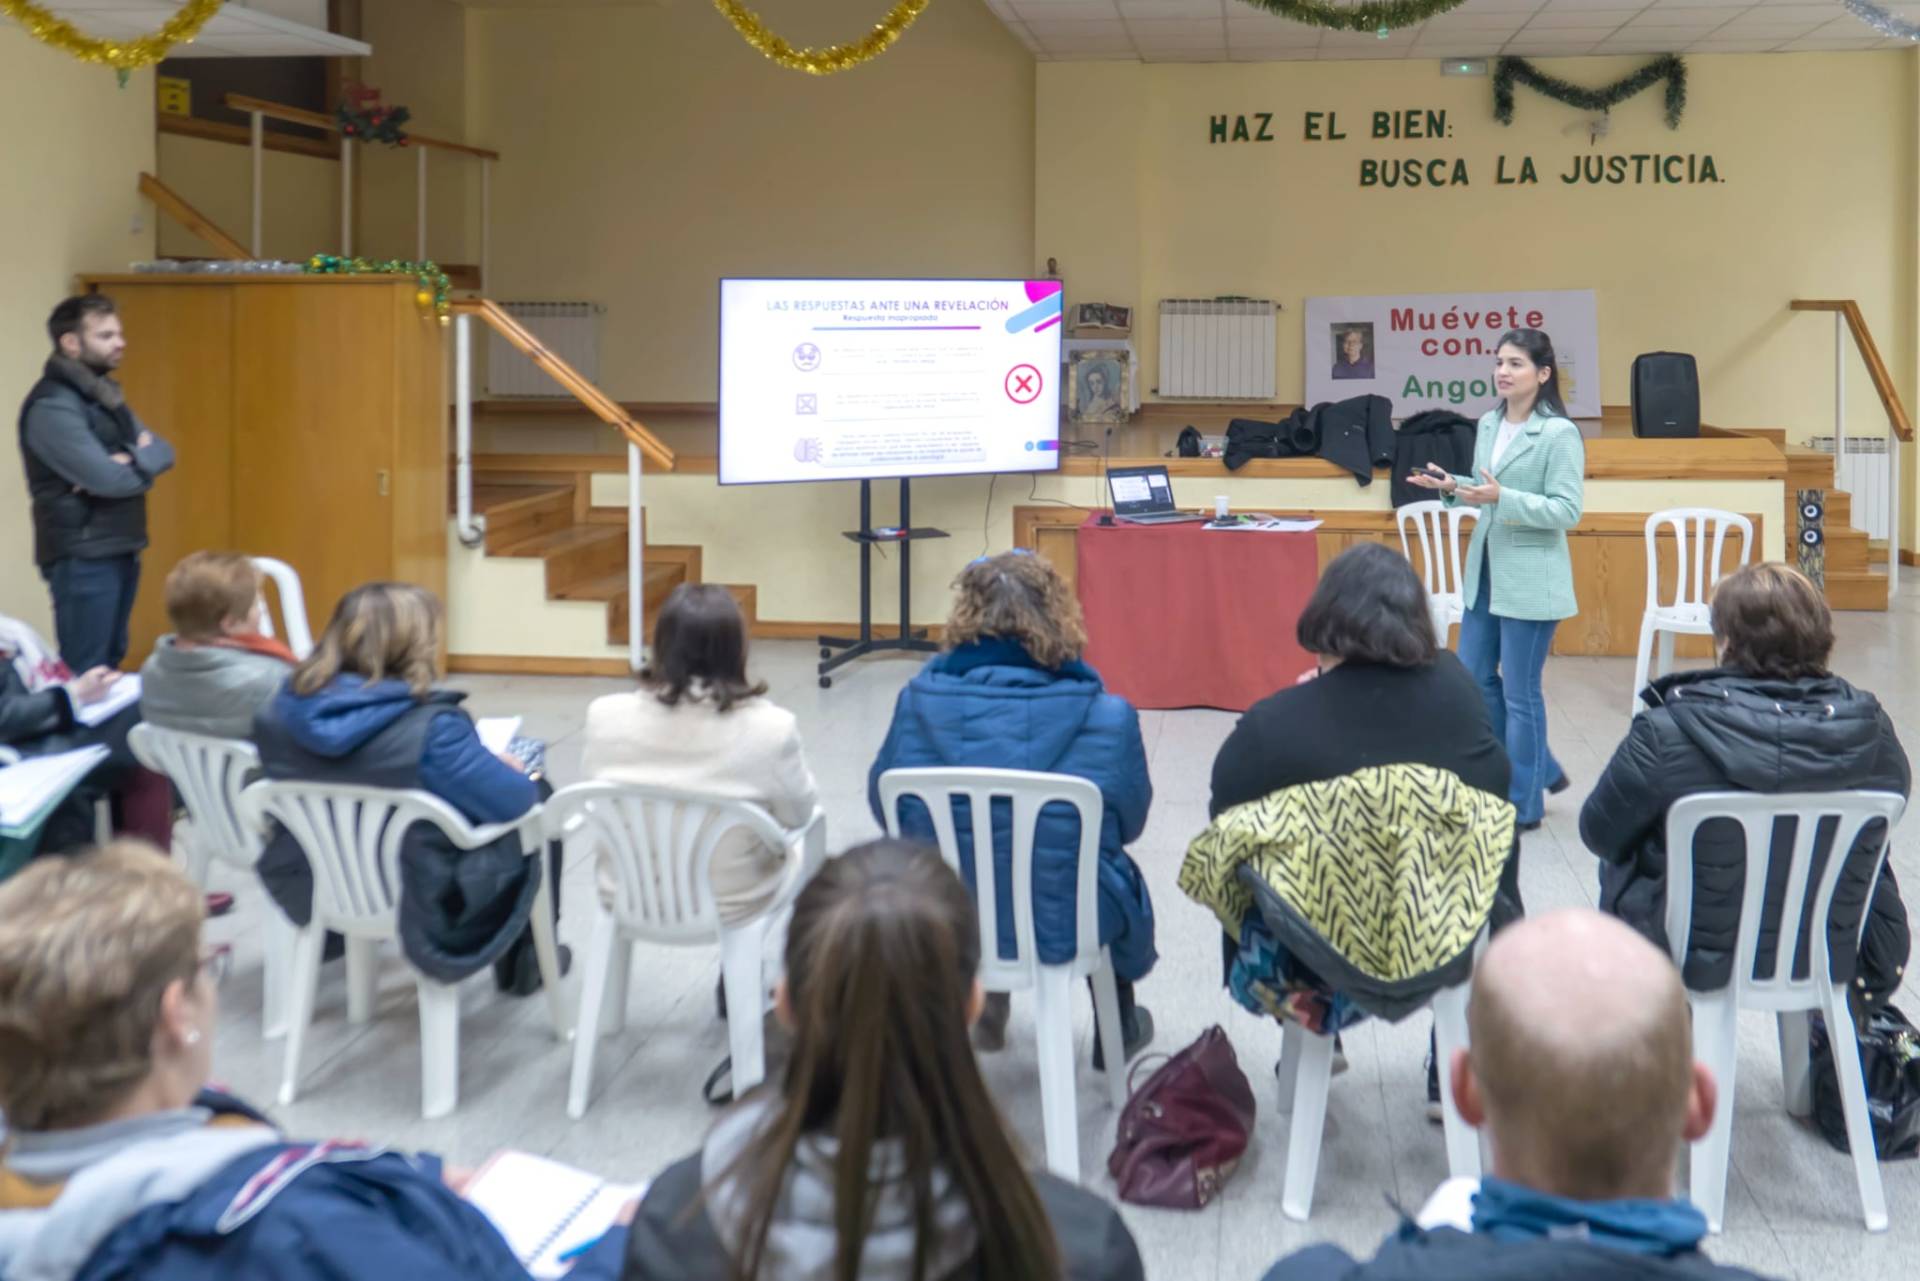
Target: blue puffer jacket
{"x": 989, "y": 705}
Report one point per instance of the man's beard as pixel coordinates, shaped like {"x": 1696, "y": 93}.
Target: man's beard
{"x": 101, "y": 365}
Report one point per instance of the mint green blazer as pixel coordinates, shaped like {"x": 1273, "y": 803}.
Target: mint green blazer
{"x": 1542, "y": 493}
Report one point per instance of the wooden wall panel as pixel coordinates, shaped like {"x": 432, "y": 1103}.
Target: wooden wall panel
{"x": 314, "y": 395}
{"x": 179, "y": 344}
{"x": 1608, "y": 551}
{"x": 419, "y": 426}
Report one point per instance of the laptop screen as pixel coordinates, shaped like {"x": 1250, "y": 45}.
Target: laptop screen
{"x": 1139, "y": 490}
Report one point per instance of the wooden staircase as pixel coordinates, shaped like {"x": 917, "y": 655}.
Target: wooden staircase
{"x": 585, "y": 552}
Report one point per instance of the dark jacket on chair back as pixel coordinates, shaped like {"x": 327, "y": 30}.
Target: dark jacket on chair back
{"x": 1436, "y": 436}
{"x": 459, "y": 909}
{"x": 1723, "y": 730}
{"x": 71, "y": 517}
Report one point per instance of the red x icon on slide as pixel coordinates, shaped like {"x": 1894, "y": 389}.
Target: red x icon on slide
{"x": 1023, "y": 384}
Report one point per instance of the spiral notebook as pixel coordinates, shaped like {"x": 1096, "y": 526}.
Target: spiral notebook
{"x": 545, "y": 1209}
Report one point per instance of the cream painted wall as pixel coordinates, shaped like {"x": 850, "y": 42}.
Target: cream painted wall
{"x": 1818, "y": 199}
{"x": 300, "y": 198}
{"x": 648, "y": 151}
{"x": 420, "y": 61}
{"x": 70, "y": 204}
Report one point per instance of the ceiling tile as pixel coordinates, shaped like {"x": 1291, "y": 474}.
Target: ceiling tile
{"x": 1578, "y": 19}
{"x": 1735, "y": 46}
{"x": 1675, "y": 16}
{"x": 1067, "y": 10}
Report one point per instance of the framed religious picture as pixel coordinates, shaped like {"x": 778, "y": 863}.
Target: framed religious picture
{"x": 1099, "y": 385}
{"x": 1101, "y": 320}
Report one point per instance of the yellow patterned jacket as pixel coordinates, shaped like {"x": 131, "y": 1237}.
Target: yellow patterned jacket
{"x": 1379, "y": 881}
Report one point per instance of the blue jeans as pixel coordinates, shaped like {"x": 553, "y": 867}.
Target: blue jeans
{"x": 1507, "y": 656}
{"x": 92, "y": 600}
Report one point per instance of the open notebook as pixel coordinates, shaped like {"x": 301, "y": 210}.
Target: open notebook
{"x": 545, "y": 1209}
{"x": 30, "y": 789}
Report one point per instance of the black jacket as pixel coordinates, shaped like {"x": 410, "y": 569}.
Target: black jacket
{"x": 85, "y": 505}
{"x": 1449, "y": 1255}
{"x": 1436, "y": 436}
{"x": 1359, "y": 715}
{"x": 460, "y": 910}
{"x": 673, "y": 1240}
{"x": 1722, "y": 730}
{"x": 1356, "y": 434}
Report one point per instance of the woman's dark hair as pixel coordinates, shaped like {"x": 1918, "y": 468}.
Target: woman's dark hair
{"x": 1537, "y": 347}
{"x": 700, "y": 639}
{"x": 1769, "y": 620}
{"x": 1370, "y": 607}
{"x": 881, "y": 958}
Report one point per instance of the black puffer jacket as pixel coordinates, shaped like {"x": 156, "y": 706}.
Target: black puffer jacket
{"x": 1722, "y": 730}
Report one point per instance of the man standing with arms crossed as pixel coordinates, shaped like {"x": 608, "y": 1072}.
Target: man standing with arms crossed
{"x": 89, "y": 464}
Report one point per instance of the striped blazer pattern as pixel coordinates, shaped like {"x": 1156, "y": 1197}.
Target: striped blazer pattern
{"x": 1542, "y": 494}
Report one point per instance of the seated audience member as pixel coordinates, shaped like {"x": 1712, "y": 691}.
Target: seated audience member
{"x": 1770, "y": 718}
{"x": 40, "y": 702}
{"x": 697, "y": 723}
{"x": 1011, "y": 692}
{"x": 363, "y": 708}
{"x": 121, "y": 1163}
{"x": 881, "y": 1101}
{"x": 215, "y": 671}
{"x": 1581, "y": 1073}
{"x": 1383, "y": 698}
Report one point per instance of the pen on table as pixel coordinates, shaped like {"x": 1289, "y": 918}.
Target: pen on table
{"x": 568, "y": 1256}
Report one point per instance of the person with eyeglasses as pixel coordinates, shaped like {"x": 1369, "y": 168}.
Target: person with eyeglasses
{"x": 121, "y": 1162}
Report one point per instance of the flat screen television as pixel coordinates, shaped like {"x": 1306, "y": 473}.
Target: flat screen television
{"x": 872, "y": 379}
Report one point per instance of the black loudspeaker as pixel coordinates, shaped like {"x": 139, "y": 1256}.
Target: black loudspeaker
{"x": 1666, "y": 394}
{"x": 1811, "y": 550}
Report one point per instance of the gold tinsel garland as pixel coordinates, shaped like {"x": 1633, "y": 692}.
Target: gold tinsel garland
{"x": 820, "y": 62}
{"x": 122, "y": 55}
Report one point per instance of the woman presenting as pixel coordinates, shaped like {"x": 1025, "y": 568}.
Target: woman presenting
{"x": 1519, "y": 578}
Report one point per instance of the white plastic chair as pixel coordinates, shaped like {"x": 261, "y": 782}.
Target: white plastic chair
{"x": 1437, "y": 527}
{"x": 1306, "y": 1070}
{"x": 1716, "y": 1014}
{"x": 659, "y": 842}
{"x": 209, "y": 774}
{"x": 351, "y": 836}
{"x": 1029, "y": 793}
{"x": 293, "y": 605}
{"x": 1695, "y": 529}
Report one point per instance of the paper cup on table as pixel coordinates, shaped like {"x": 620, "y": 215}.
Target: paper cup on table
{"x": 1220, "y": 507}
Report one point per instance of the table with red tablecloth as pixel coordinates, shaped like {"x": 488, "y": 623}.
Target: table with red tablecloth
{"x": 1185, "y": 616}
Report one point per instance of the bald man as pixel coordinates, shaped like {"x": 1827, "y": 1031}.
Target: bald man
{"x": 1582, "y": 1076}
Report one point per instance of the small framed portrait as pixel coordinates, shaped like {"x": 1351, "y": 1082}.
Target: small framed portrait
{"x": 1352, "y": 348}
{"x": 1102, "y": 318}
{"x": 1099, "y": 386}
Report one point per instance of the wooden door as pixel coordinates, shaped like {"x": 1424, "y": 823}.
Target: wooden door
{"x": 176, "y": 375}
{"x": 313, "y": 393}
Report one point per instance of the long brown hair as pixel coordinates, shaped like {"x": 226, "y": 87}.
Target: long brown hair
{"x": 378, "y": 630}
{"x": 700, "y": 640}
{"x": 1020, "y": 597}
{"x": 881, "y": 958}
{"x": 1769, "y": 620}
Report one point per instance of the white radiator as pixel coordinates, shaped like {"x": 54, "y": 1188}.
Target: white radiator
{"x": 1862, "y": 473}
{"x": 570, "y": 330}
{"x": 1217, "y": 349}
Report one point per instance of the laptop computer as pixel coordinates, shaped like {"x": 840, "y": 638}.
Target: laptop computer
{"x": 1144, "y": 496}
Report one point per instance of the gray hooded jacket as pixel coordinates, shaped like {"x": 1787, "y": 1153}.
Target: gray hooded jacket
{"x": 208, "y": 689}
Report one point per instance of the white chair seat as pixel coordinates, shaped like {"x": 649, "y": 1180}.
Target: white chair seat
{"x": 1700, "y": 542}
{"x": 352, "y": 838}
{"x": 1029, "y": 793}
{"x": 1716, "y": 1014}
{"x": 658, "y": 844}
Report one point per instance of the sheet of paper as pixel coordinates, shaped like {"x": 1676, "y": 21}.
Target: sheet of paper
{"x": 545, "y": 1209}
{"x": 34, "y": 786}
{"x": 122, "y": 693}
{"x": 1266, "y": 525}
{"x": 496, "y": 732}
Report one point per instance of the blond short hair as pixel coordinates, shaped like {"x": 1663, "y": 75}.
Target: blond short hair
{"x": 1018, "y": 596}
{"x": 88, "y": 946}
{"x": 208, "y": 588}
{"x": 378, "y": 631}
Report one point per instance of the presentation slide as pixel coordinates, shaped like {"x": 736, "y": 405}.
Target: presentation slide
{"x": 852, "y": 379}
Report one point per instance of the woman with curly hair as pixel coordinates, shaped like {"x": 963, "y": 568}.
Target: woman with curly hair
{"x": 1010, "y": 691}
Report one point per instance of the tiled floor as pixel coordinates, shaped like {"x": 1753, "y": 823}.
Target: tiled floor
{"x": 1792, "y": 1208}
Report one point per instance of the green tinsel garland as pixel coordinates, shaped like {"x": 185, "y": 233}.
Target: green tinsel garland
{"x": 1669, "y": 67}
{"x": 435, "y": 288}
{"x": 1377, "y": 16}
